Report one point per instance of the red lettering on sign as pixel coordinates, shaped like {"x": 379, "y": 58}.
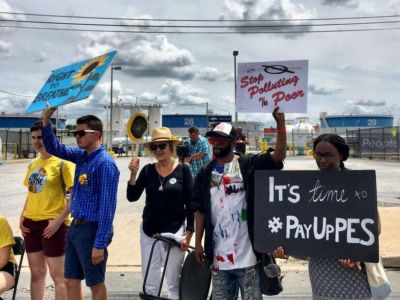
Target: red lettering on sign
{"x": 246, "y": 80}
{"x": 279, "y": 96}
{"x": 268, "y": 86}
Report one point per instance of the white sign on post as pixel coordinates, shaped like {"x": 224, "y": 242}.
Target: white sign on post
{"x": 262, "y": 86}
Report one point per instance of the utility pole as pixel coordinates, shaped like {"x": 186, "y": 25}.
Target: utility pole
{"x": 235, "y": 53}
{"x": 111, "y": 106}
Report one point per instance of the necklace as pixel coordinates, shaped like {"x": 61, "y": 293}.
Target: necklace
{"x": 161, "y": 188}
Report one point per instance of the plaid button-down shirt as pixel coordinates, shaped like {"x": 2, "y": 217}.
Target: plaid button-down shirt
{"x": 94, "y": 196}
{"x": 201, "y": 145}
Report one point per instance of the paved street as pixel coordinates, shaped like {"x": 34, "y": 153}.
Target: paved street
{"x": 123, "y": 276}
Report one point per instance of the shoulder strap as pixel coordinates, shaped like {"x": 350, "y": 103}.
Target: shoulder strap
{"x": 63, "y": 185}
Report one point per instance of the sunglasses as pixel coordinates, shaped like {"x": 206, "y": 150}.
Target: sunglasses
{"x": 220, "y": 141}
{"x": 81, "y": 133}
{"x": 154, "y": 147}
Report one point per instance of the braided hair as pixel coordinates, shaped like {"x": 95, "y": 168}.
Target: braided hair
{"x": 338, "y": 142}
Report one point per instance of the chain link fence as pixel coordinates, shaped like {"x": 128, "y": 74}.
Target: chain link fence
{"x": 17, "y": 144}
{"x": 374, "y": 143}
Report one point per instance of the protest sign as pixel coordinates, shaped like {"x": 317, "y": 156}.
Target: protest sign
{"x": 71, "y": 83}
{"x": 137, "y": 126}
{"x": 315, "y": 213}
{"x": 262, "y": 86}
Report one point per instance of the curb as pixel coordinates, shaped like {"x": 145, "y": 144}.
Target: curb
{"x": 391, "y": 261}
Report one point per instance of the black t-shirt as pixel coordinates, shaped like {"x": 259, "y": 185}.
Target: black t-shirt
{"x": 165, "y": 210}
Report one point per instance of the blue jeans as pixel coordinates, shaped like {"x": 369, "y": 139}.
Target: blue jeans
{"x": 225, "y": 284}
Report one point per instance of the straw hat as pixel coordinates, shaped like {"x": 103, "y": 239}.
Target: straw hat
{"x": 161, "y": 134}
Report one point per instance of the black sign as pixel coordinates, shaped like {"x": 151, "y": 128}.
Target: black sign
{"x": 218, "y": 119}
{"x": 317, "y": 213}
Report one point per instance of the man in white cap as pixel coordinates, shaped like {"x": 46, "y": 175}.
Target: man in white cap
{"x": 225, "y": 212}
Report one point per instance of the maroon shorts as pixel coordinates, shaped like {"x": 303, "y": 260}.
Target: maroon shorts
{"x": 34, "y": 240}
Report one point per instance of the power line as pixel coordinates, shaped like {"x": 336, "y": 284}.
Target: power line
{"x": 13, "y": 94}
{"x": 199, "y": 20}
{"x": 200, "y": 26}
{"x": 213, "y": 105}
{"x": 202, "y": 32}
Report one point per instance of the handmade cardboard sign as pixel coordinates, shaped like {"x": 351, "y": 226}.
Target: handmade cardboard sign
{"x": 71, "y": 83}
{"x": 329, "y": 214}
{"x": 262, "y": 86}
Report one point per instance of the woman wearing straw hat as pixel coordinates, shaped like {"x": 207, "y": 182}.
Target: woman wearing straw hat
{"x": 168, "y": 187}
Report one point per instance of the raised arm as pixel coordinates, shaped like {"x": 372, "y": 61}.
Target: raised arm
{"x": 279, "y": 153}
{"x": 52, "y": 145}
{"x": 136, "y": 184}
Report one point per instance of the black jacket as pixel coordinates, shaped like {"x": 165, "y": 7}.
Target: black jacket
{"x": 201, "y": 193}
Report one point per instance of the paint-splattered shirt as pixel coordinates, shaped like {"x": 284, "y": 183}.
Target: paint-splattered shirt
{"x": 229, "y": 218}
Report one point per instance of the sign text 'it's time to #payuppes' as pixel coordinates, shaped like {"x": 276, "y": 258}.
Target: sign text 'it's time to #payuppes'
{"x": 263, "y": 86}
{"x": 315, "y": 213}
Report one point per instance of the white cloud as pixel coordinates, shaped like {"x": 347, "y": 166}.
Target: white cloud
{"x": 5, "y": 49}
{"x": 369, "y": 102}
{"x": 267, "y": 10}
{"x": 5, "y": 7}
{"x": 142, "y": 54}
{"x": 213, "y": 74}
{"x": 395, "y": 6}
{"x": 175, "y": 93}
{"x": 347, "y": 3}
{"x": 317, "y": 90}
{"x": 41, "y": 57}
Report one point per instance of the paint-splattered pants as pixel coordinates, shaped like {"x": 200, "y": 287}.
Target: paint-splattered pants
{"x": 227, "y": 283}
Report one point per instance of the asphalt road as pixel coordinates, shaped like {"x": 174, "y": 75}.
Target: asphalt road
{"x": 123, "y": 275}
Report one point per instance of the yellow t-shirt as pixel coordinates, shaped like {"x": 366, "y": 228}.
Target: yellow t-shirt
{"x": 6, "y": 237}
{"x": 46, "y": 198}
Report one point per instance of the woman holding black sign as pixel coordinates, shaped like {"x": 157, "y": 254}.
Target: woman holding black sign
{"x": 168, "y": 186}
{"x": 331, "y": 278}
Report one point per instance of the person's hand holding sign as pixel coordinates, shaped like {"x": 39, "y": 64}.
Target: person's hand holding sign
{"x": 47, "y": 113}
{"x": 349, "y": 264}
{"x": 134, "y": 168}
{"x": 280, "y": 253}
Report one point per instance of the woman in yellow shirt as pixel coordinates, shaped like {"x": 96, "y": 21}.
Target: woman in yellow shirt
{"x": 45, "y": 218}
{"x": 7, "y": 261}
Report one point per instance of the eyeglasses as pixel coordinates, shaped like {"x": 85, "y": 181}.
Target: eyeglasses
{"x": 326, "y": 155}
{"x": 153, "y": 147}
{"x": 81, "y": 133}
{"x": 212, "y": 140}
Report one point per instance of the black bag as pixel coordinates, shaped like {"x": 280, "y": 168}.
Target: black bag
{"x": 270, "y": 276}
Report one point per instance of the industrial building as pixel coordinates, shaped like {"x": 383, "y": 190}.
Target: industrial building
{"x": 340, "y": 123}
{"x": 17, "y": 121}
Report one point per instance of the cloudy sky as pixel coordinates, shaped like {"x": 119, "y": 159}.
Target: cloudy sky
{"x": 349, "y": 72}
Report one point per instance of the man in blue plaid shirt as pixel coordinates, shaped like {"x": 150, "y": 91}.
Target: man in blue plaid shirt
{"x": 93, "y": 204}
{"x": 199, "y": 151}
